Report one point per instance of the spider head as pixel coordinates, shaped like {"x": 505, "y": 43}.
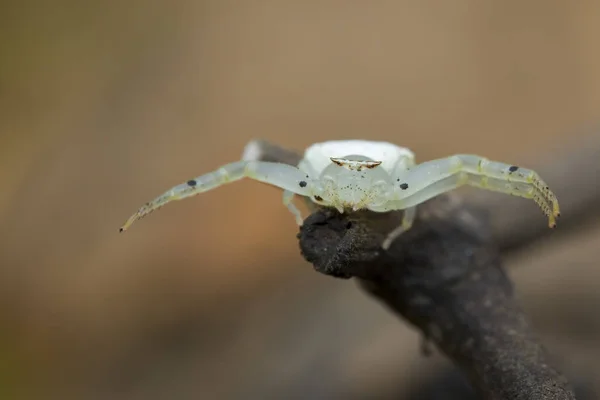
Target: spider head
{"x": 353, "y": 182}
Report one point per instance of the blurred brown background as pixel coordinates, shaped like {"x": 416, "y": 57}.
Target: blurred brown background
{"x": 104, "y": 105}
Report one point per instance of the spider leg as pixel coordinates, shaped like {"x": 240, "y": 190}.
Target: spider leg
{"x": 288, "y": 198}
{"x": 283, "y": 176}
{"x": 432, "y": 178}
{"x": 407, "y": 221}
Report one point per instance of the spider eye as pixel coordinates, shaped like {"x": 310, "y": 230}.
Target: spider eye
{"x": 355, "y": 163}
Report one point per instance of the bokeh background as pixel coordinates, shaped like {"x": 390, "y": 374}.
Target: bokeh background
{"x": 105, "y": 104}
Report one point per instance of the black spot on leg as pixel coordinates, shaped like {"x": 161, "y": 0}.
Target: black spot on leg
{"x": 302, "y": 183}
{"x": 318, "y": 198}
{"x": 404, "y": 186}
{"x": 398, "y": 180}
{"x": 191, "y": 183}
{"x": 513, "y": 168}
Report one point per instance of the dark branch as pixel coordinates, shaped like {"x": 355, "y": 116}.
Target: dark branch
{"x": 444, "y": 276}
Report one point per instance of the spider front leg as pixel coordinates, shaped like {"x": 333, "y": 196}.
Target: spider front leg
{"x": 283, "y": 176}
{"x": 435, "y": 177}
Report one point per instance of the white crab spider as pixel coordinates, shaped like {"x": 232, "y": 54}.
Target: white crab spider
{"x": 351, "y": 175}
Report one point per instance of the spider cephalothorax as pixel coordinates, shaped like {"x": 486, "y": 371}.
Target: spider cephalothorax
{"x": 351, "y": 175}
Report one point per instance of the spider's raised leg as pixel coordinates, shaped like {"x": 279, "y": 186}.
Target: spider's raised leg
{"x": 288, "y": 198}
{"x": 432, "y": 178}
{"x": 407, "y": 221}
{"x": 283, "y": 176}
